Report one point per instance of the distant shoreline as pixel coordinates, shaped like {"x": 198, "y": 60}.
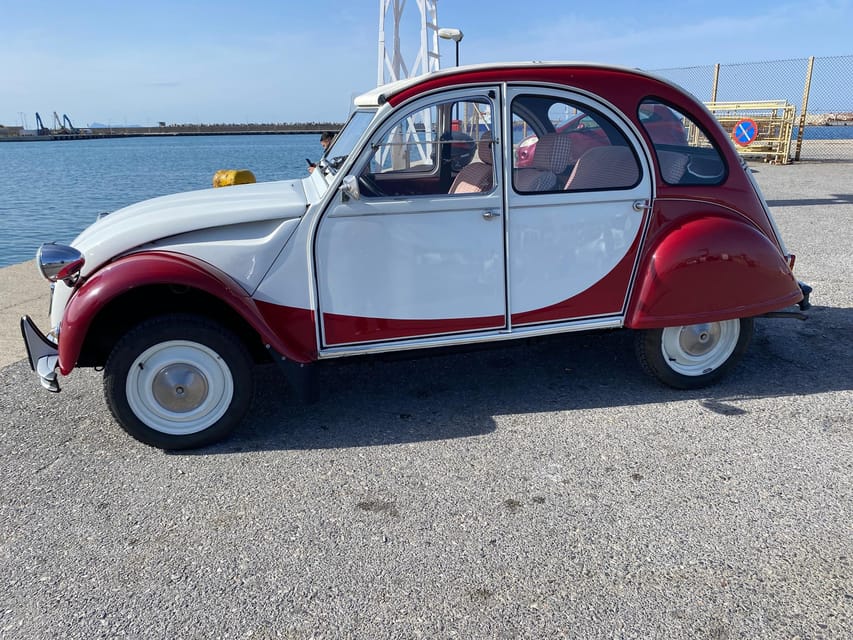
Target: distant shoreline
{"x": 13, "y": 134}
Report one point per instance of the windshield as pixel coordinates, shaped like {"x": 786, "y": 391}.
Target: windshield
{"x": 348, "y": 136}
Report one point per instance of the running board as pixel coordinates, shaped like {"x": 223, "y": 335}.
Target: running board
{"x": 472, "y": 338}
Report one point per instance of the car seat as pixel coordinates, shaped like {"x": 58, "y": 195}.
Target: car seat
{"x": 553, "y": 153}
{"x": 478, "y": 176}
{"x": 604, "y": 168}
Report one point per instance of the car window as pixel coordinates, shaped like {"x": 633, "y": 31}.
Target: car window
{"x": 685, "y": 153}
{"x": 344, "y": 142}
{"x": 560, "y": 145}
{"x": 424, "y": 151}
{"x": 410, "y": 144}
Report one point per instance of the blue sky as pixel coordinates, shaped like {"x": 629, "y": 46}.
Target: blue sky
{"x": 286, "y": 61}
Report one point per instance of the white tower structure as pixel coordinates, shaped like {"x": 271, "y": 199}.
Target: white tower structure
{"x": 392, "y": 65}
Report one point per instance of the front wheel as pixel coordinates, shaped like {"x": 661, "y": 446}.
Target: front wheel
{"x": 693, "y": 356}
{"x": 178, "y": 382}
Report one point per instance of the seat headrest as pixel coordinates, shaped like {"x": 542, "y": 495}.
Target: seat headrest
{"x": 553, "y": 153}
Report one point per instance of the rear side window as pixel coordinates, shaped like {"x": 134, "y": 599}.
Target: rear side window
{"x": 685, "y": 153}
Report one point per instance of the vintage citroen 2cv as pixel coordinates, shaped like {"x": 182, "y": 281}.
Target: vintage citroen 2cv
{"x": 428, "y": 224}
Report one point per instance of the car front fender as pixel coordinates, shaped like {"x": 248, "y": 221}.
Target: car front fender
{"x": 160, "y": 268}
{"x": 710, "y": 269}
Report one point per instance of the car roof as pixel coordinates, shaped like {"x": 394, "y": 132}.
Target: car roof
{"x": 385, "y": 93}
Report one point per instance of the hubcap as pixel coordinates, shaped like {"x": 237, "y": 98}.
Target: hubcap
{"x": 179, "y": 387}
{"x": 699, "y": 339}
{"x": 697, "y": 349}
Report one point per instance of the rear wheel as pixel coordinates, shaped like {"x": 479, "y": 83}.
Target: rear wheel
{"x": 693, "y": 356}
{"x": 178, "y": 382}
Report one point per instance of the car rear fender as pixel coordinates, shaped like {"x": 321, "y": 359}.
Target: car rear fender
{"x": 161, "y": 268}
{"x": 709, "y": 269}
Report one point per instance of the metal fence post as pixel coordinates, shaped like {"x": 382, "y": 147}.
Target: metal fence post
{"x": 716, "y": 82}
{"x": 804, "y": 108}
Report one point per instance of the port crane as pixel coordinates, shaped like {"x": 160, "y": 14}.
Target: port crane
{"x": 64, "y": 125}
{"x": 41, "y": 130}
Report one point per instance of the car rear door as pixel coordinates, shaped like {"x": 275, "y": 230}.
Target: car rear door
{"x": 574, "y": 238}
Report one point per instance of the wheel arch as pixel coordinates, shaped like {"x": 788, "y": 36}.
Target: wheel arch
{"x": 710, "y": 268}
{"x": 139, "y": 286}
{"x": 136, "y": 305}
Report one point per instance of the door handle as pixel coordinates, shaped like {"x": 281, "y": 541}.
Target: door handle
{"x": 642, "y": 205}
{"x": 490, "y": 215}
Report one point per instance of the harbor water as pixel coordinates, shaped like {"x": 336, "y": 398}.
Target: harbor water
{"x": 51, "y": 191}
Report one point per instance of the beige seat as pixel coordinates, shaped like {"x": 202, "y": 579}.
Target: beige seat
{"x": 604, "y": 168}
{"x": 553, "y": 153}
{"x": 478, "y": 176}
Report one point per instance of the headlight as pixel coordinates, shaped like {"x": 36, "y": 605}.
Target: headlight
{"x": 59, "y": 262}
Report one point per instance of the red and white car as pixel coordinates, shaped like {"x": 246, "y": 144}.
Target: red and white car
{"x": 397, "y": 243}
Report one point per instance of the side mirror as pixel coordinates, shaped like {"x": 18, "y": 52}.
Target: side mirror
{"x": 349, "y": 188}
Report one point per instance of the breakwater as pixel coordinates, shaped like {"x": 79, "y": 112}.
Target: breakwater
{"x": 17, "y": 134}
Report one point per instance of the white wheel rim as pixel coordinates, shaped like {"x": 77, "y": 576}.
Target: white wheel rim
{"x": 698, "y": 349}
{"x": 179, "y": 387}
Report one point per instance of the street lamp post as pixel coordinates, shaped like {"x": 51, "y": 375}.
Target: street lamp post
{"x": 452, "y": 34}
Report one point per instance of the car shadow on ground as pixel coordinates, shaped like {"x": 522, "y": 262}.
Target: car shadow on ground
{"x": 379, "y": 402}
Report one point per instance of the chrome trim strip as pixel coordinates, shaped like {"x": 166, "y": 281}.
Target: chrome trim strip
{"x": 472, "y": 338}
{"x": 504, "y": 173}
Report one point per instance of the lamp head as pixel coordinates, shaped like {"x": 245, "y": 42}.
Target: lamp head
{"x": 450, "y": 34}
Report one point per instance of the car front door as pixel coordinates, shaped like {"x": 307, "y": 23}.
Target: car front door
{"x": 419, "y": 251}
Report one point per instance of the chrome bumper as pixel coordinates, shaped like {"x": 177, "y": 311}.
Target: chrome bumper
{"x": 43, "y": 354}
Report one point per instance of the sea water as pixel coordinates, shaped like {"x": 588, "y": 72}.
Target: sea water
{"x": 51, "y": 191}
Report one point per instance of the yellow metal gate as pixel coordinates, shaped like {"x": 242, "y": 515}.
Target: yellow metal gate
{"x": 758, "y": 129}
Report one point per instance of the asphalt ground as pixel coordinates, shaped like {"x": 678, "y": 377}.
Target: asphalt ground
{"x": 543, "y": 490}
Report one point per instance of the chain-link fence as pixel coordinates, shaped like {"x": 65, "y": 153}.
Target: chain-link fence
{"x": 821, "y": 86}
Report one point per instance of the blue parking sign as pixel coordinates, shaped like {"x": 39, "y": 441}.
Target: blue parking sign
{"x": 744, "y": 132}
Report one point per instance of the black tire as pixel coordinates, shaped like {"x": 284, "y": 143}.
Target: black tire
{"x": 693, "y": 356}
{"x": 179, "y": 382}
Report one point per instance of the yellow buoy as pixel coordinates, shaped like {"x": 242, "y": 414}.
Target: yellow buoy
{"x": 228, "y": 177}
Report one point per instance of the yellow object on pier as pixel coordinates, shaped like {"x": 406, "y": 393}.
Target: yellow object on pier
{"x": 228, "y": 177}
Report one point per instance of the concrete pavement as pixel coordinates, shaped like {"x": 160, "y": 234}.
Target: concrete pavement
{"x": 22, "y": 292}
